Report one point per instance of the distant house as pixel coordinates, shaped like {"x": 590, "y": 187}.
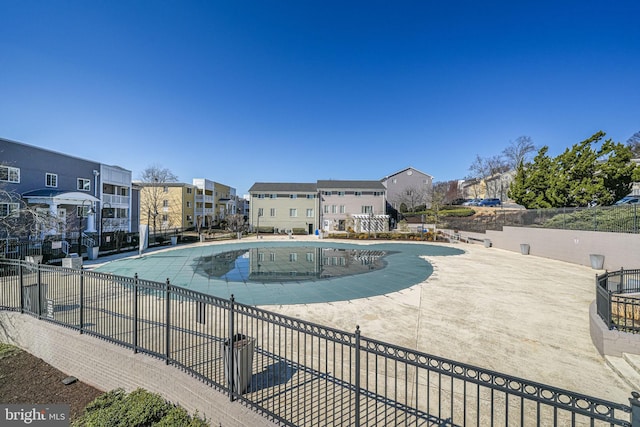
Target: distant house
{"x": 79, "y": 195}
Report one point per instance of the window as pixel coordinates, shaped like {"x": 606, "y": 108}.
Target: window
{"x": 367, "y": 209}
{"x": 51, "y": 180}
{"x": 293, "y": 257}
{"x": 9, "y": 174}
{"x": 259, "y": 196}
{"x": 189, "y": 218}
{"x": 333, "y": 209}
{"x": 188, "y": 204}
{"x": 311, "y": 196}
{"x": 165, "y": 189}
{"x": 341, "y": 193}
{"x": 261, "y": 256}
{"x": 165, "y": 218}
{"x": 260, "y": 212}
{"x": 293, "y": 212}
{"x": 309, "y": 213}
{"x": 309, "y": 256}
{"x": 165, "y": 203}
{"x": 342, "y": 209}
{"x": 9, "y": 209}
{"x": 394, "y": 180}
{"x": 272, "y": 256}
{"x": 189, "y": 190}
{"x": 272, "y": 212}
{"x": 293, "y": 196}
{"x": 84, "y": 184}
{"x": 378, "y": 193}
{"x": 358, "y": 193}
{"x": 326, "y": 193}
{"x": 326, "y": 209}
{"x": 273, "y": 196}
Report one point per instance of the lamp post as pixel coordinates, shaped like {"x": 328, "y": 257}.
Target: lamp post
{"x": 258, "y": 227}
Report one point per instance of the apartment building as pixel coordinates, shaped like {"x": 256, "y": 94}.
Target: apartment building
{"x": 213, "y": 202}
{"x": 280, "y": 207}
{"x": 326, "y": 204}
{"x": 358, "y": 206}
{"x": 167, "y": 206}
{"x": 75, "y": 195}
{"x": 409, "y": 187}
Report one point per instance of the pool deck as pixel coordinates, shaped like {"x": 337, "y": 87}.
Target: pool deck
{"x": 520, "y": 315}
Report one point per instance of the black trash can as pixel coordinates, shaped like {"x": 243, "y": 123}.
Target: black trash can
{"x": 241, "y": 349}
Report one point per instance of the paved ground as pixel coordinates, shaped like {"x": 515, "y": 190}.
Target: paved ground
{"x": 520, "y": 315}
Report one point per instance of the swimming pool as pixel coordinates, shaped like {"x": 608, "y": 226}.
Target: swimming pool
{"x": 268, "y": 273}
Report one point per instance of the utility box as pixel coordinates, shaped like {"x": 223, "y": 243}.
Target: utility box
{"x": 72, "y": 261}
{"x": 240, "y": 348}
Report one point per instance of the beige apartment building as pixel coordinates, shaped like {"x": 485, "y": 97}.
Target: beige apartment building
{"x": 282, "y": 207}
{"x": 168, "y": 206}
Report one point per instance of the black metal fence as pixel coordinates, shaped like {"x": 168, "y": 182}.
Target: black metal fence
{"x": 618, "y": 299}
{"x": 618, "y": 219}
{"x": 296, "y": 372}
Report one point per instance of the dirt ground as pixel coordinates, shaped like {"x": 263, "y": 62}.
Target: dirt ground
{"x": 26, "y": 379}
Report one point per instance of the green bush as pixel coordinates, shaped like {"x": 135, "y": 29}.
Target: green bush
{"x": 138, "y": 408}
{"x": 299, "y": 231}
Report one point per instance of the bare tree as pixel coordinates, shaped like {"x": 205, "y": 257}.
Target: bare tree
{"x": 412, "y": 197}
{"x": 519, "y": 151}
{"x": 20, "y": 220}
{"x": 489, "y": 169}
{"x": 153, "y": 195}
{"x": 634, "y": 145}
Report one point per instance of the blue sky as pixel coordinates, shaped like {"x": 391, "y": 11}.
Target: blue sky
{"x": 295, "y": 91}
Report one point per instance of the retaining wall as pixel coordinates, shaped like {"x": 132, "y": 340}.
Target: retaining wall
{"x": 107, "y": 366}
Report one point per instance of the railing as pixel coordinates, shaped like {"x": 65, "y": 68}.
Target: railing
{"x": 115, "y": 199}
{"x": 618, "y": 299}
{"x": 295, "y": 372}
{"x": 618, "y": 219}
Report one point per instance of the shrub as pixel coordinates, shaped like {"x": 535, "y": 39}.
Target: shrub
{"x": 299, "y": 231}
{"x": 138, "y": 408}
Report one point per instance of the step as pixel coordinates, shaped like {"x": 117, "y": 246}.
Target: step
{"x": 625, "y": 371}
{"x": 633, "y": 360}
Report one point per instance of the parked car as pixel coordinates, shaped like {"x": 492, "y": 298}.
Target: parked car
{"x": 472, "y": 202}
{"x": 628, "y": 200}
{"x": 489, "y": 202}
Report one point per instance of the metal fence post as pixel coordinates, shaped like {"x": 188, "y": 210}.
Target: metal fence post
{"x": 168, "y": 314}
{"x": 21, "y": 276}
{"x": 39, "y": 277}
{"x": 81, "y": 301}
{"x": 635, "y": 409}
{"x": 135, "y": 313}
{"x": 357, "y": 378}
{"x": 229, "y": 349}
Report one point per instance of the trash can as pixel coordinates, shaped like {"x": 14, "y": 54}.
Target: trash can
{"x": 524, "y": 248}
{"x": 487, "y": 243}
{"x": 241, "y": 349}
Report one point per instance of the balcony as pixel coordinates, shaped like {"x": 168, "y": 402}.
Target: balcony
{"x": 114, "y": 199}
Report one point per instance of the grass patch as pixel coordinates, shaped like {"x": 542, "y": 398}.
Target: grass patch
{"x": 8, "y": 350}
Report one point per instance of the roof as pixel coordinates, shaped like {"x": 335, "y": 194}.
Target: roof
{"x": 404, "y": 170}
{"x": 369, "y": 185}
{"x": 61, "y": 197}
{"x": 306, "y": 187}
